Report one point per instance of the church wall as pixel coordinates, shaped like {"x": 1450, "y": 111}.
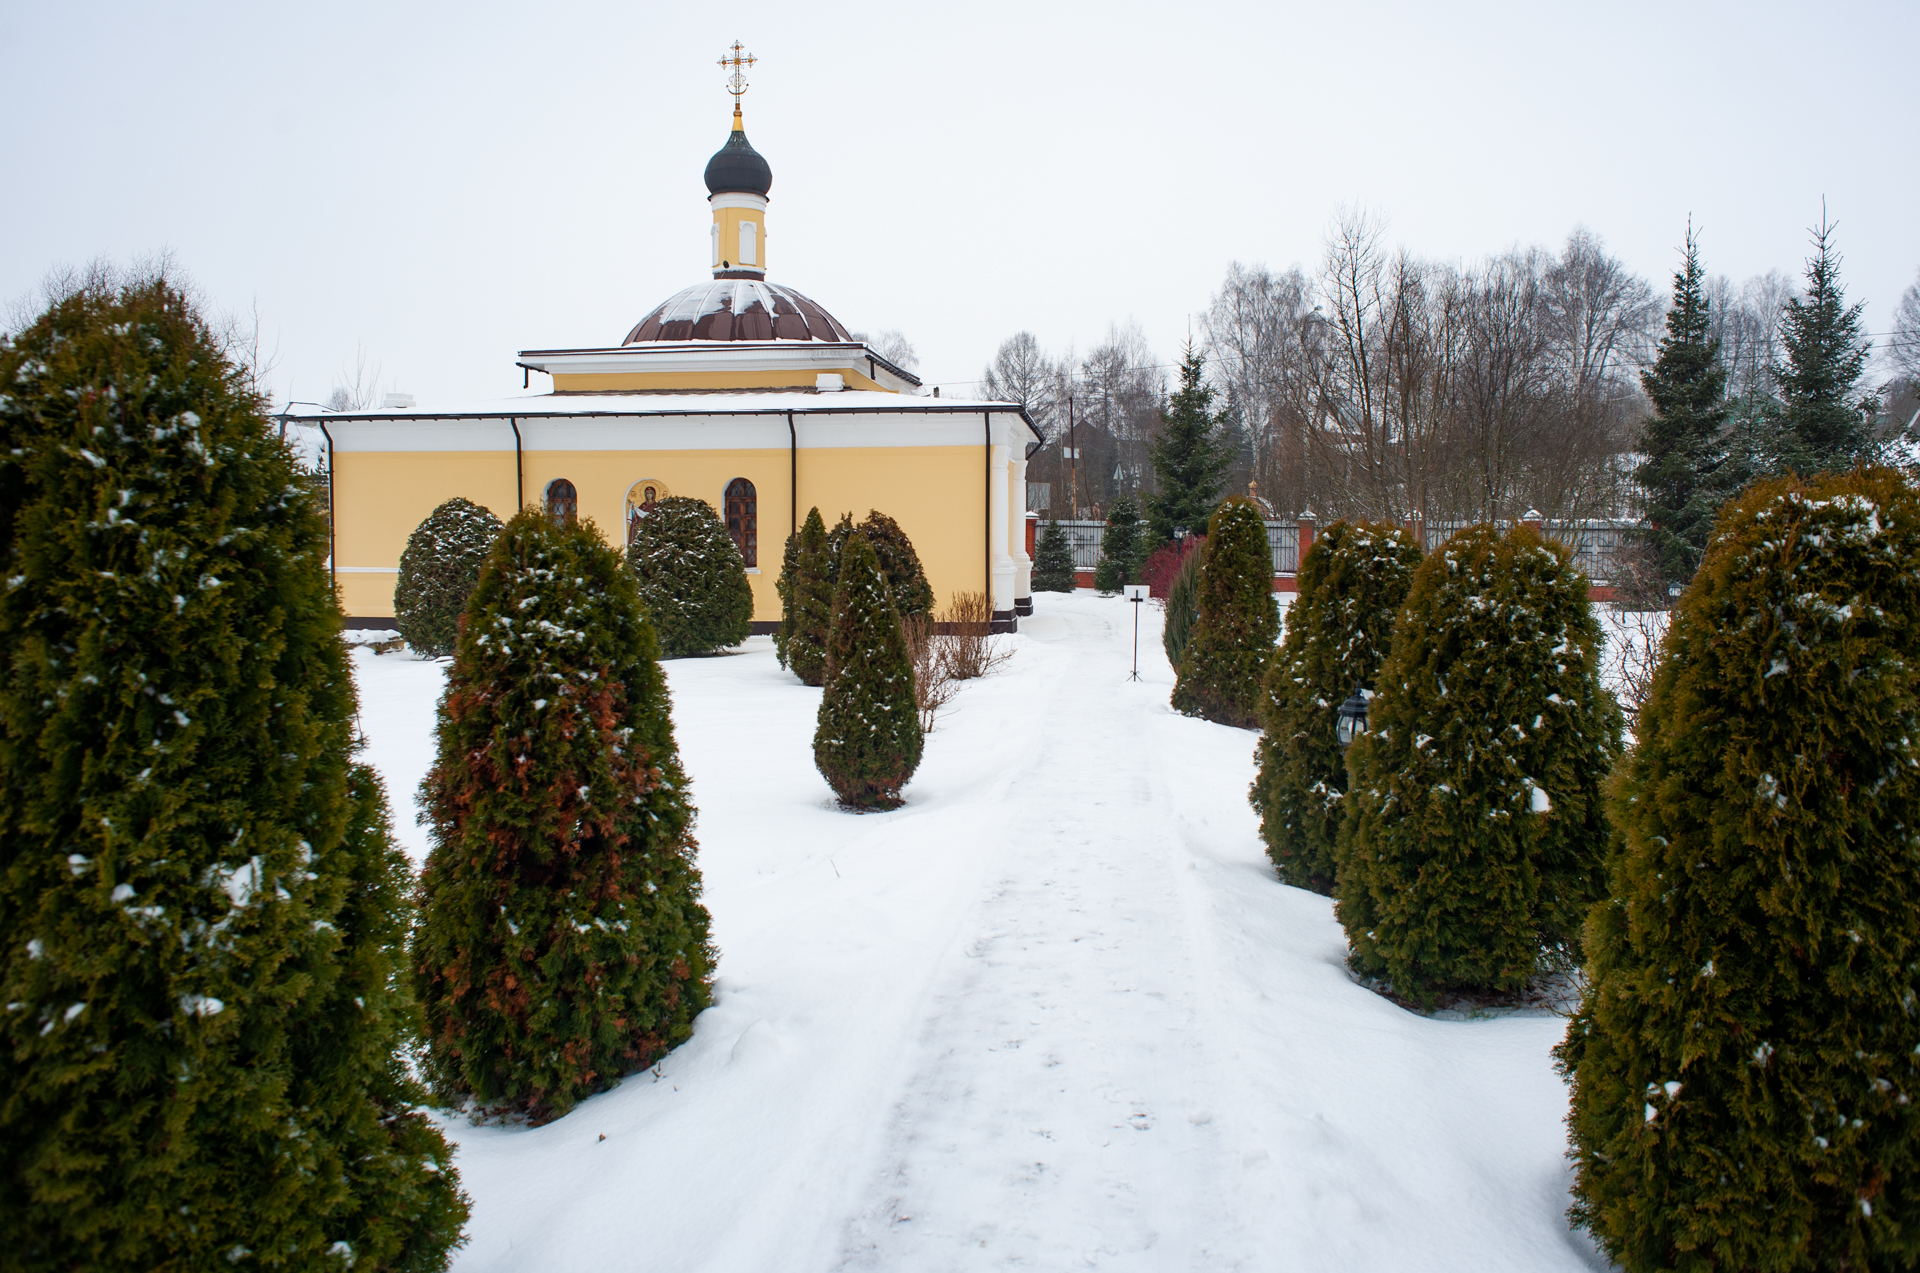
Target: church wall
{"x": 681, "y": 381}
{"x": 383, "y": 496}
{"x": 936, "y": 493}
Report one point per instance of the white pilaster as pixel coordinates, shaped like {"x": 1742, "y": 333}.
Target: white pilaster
{"x": 1017, "y": 531}
{"x": 997, "y": 523}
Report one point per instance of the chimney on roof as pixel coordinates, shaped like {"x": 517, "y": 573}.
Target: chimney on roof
{"x": 828, "y": 382}
{"x": 396, "y": 402}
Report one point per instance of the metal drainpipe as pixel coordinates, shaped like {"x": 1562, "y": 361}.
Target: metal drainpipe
{"x": 519, "y": 476}
{"x": 793, "y": 474}
{"x": 333, "y": 518}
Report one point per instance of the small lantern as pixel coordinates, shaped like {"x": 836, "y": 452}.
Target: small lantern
{"x": 1351, "y": 718}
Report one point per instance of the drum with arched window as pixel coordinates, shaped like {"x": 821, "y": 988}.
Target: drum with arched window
{"x": 743, "y": 519}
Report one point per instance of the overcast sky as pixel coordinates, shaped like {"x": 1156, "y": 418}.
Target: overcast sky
{"x": 444, "y": 185}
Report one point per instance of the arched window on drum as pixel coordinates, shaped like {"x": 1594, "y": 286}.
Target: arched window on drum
{"x": 563, "y": 502}
{"x": 743, "y": 519}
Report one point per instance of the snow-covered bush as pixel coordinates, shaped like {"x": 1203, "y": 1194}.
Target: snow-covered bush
{"x": 1746, "y": 1058}
{"x": 1123, "y": 548}
{"x": 1352, "y": 583}
{"x": 809, "y": 600}
{"x": 899, "y": 563}
{"x": 692, "y": 578}
{"x": 1235, "y": 622}
{"x": 1182, "y": 593}
{"x": 200, "y": 900}
{"x": 1473, "y": 840}
{"x": 438, "y": 569}
{"x": 868, "y": 740}
{"x": 562, "y": 943}
{"x": 1053, "y": 560}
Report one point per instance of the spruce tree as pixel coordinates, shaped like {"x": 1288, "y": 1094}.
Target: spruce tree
{"x": 1352, "y": 584}
{"x": 1123, "y": 548}
{"x": 1235, "y": 623}
{"x": 1681, "y": 439}
{"x": 1190, "y": 457}
{"x": 438, "y": 569}
{"x": 867, "y": 741}
{"x": 562, "y": 943}
{"x": 1826, "y": 427}
{"x": 692, "y": 578}
{"x": 1472, "y": 842}
{"x": 812, "y": 602}
{"x": 1746, "y": 1056}
{"x": 199, "y": 892}
{"x": 1053, "y": 560}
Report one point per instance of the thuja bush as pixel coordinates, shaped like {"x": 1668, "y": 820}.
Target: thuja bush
{"x": 1235, "y": 621}
{"x": 692, "y": 578}
{"x": 1352, "y": 583}
{"x": 1473, "y": 840}
{"x": 1182, "y": 593}
{"x": 868, "y": 738}
{"x": 1746, "y": 1056}
{"x": 1123, "y": 547}
{"x": 438, "y": 569}
{"x": 1053, "y": 560}
{"x": 789, "y": 566}
{"x": 200, "y": 898}
{"x": 562, "y": 943}
{"x": 811, "y": 591}
{"x": 899, "y": 563}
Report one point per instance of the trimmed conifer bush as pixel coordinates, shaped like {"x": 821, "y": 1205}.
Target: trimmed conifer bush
{"x": 438, "y": 569}
{"x": 1053, "y": 561}
{"x": 693, "y": 581}
{"x": 1182, "y": 598}
{"x": 868, "y": 739}
{"x": 812, "y": 602}
{"x": 1235, "y": 622}
{"x": 1352, "y": 583}
{"x": 1746, "y": 1059}
{"x": 562, "y": 943}
{"x": 1473, "y": 840}
{"x": 899, "y": 563}
{"x": 200, "y": 899}
{"x": 789, "y": 566}
{"x": 1123, "y": 548}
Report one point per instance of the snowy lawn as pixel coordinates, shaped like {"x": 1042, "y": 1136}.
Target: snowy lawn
{"x": 1055, "y": 1013}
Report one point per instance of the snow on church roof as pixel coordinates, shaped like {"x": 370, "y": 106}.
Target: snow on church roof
{"x": 770, "y": 402}
{"x": 737, "y": 309}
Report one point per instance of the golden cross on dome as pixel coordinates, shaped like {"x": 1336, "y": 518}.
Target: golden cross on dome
{"x": 739, "y": 60}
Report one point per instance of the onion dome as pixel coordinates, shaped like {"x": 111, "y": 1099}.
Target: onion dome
{"x": 737, "y": 168}
{"x": 737, "y": 309}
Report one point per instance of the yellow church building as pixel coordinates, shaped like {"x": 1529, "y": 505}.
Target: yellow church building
{"x": 738, "y": 391}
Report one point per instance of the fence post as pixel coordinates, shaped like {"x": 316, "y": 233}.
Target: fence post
{"x": 1532, "y": 519}
{"x": 1304, "y": 525}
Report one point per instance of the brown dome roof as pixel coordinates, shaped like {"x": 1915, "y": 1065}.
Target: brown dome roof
{"x": 737, "y": 309}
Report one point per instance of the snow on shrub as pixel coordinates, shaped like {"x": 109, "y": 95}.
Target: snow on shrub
{"x": 1235, "y": 622}
{"x": 438, "y": 569}
{"x": 562, "y": 943}
{"x": 1472, "y": 844}
{"x": 1123, "y": 548}
{"x": 868, "y": 739}
{"x": 1053, "y": 560}
{"x": 693, "y": 581}
{"x": 807, "y": 585}
{"x": 201, "y": 901}
{"x": 1352, "y": 583}
{"x": 1746, "y": 1058}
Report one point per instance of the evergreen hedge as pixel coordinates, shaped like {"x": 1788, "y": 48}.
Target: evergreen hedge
{"x": 1053, "y": 561}
{"x": 1235, "y": 622}
{"x": 868, "y": 739}
{"x": 438, "y": 569}
{"x": 692, "y": 578}
{"x": 1123, "y": 548}
{"x": 1473, "y": 840}
{"x": 1747, "y": 1053}
{"x": 562, "y": 943}
{"x": 1352, "y": 584}
{"x": 201, "y": 901}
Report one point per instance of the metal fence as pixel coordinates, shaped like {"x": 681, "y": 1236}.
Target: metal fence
{"x": 1283, "y": 539}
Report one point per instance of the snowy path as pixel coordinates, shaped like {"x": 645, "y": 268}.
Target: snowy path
{"x": 1055, "y": 1013}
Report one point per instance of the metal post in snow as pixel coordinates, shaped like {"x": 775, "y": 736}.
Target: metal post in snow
{"x": 1136, "y": 593}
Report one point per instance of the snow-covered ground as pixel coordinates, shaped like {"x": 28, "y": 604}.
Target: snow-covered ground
{"x": 1055, "y": 1013}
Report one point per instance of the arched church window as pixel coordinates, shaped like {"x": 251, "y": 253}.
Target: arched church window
{"x": 563, "y": 502}
{"x": 743, "y": 519}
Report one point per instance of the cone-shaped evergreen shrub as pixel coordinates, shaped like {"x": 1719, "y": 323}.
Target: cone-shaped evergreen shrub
{"x": 811, "y": 589}
{"x": 562, "y": 942}
{"x": 868, "y": 739}
{"x": 199, "y": 898}
{"x": 1339, "y": 628}
{"x": 789, "y": 564}
{"x": 438, "y": 569}
{"x": 1235, "y": 623}
{"x": 692, "y": 579}
{"x": 899, "y": 563}
{"x": 1473, "y": 840}
{"x": 1123, "y": 548}
{"x": 1746, "y": 1060}
{"x": 1053, "y": 560}
{"x": 1183, "y": 598}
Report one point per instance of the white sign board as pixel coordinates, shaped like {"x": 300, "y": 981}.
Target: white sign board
{"x": 1135, "y": 591}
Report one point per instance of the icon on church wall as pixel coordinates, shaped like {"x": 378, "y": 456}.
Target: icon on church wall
{"x": 641, "y": 498}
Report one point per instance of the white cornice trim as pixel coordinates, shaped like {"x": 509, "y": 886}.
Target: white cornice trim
{"x": 738, "y": 199}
